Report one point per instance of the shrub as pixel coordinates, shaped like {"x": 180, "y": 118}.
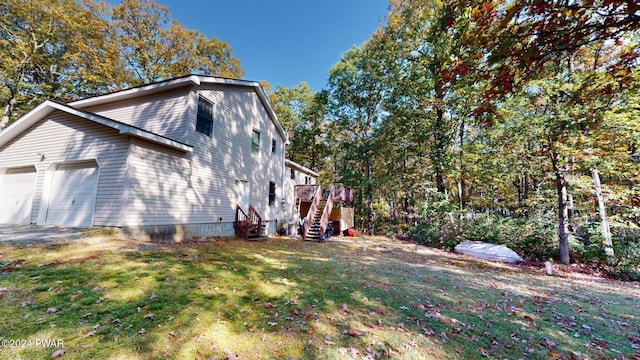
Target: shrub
{"x": 387, "y": 228}
{"x": 626, "y": 246}
{"x": 525, "y": 237}
{"x": 442, "y": 235}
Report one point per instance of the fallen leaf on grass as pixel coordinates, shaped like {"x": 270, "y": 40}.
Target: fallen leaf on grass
{"x": 355, "y": 332}
{"x": 295, "y": 311}
{"x": 269, "y": 305}
{"x": 229, "y": 355}
{"x": 328, "y": 341}
{"x": 273, "y": 323}
{"x": 52, "y": 310}
{"x": 344, "y": 309}
{"x": 142, "y": 331}
{"x": 89, "y": 334}
{"x": 428, "y": 332}
{"x": 58, "y": 353}
{"x": 149, "y": 316}
{"x": 549, "y": 343}
{"x": 153, "y": 296}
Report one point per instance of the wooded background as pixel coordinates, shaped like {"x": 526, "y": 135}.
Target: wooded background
{"x": 509, "y": 122}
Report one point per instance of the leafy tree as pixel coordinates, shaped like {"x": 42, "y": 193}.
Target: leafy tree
{"x": 153, "y": 47}
{"x": 65, "y": 50}
{"x": 356, "y": 96}
{"x": 51, "y": 49}
{"x": 302, "y": 112}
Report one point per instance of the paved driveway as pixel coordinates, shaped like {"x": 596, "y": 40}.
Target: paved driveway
{"x": 45, "y": 234}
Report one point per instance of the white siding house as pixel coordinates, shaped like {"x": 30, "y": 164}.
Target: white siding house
{"x": 169, "y": 160}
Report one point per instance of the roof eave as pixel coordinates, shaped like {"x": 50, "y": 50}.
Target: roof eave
{"x": 300, "y": 168}
{"x": 137, "y": 91}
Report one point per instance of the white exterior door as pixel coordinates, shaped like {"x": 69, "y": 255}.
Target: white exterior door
{"x": 73, "y": 193}
{"x": 243, "y": 194}
{"x": 16, "y": 195}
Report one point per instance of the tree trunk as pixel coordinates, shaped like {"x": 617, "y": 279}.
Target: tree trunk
{"x": 563, "y": 215}
{"x": 604, "y": 222}
{"x": 7, "y": 111}
{"x": 439, "y": 136}
{"x": 462, "y": 168}
{"x": 563, "y": 221}
{"x": 369, "y": 196}
{"x": 440, "y": 182}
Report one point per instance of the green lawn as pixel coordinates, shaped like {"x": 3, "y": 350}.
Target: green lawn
{"x": 285, "y": 298}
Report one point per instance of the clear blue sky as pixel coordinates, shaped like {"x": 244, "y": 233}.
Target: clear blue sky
{"x": 283, "y": 42}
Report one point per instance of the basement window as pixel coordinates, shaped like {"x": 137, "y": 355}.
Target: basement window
{"x": 204, "y": 123}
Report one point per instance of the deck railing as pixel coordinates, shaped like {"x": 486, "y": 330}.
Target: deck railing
{"x": 326, "y": 213}
{"x": 312, "y": 211}
{"x": 244, "y": 221}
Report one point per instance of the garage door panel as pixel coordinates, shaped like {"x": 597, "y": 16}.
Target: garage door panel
{"x": 16, "y": 196}
{"x": 73, "y": 195}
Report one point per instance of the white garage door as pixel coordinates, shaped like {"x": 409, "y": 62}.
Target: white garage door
{"x": 16, "y": 195}
{"x": 73, "y": 195}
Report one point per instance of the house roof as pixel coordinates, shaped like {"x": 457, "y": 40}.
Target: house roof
{"x": 189, "y": 80}
{"x": 48, "y": 106}
{"x": 300, "y": 168}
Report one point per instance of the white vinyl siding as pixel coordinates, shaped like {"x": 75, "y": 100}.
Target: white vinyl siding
{"x": 159, "y": 191}
{"x": 63, "y": 138}
{"x": 164, "y": 113}
{"x": 218, "y": 162}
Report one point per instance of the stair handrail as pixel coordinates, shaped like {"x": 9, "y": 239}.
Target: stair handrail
{"x": 255, "y": 218}
{"x": 312, "y": 211}
{"x": 326, "y": 213}
{"x": 242, "y": 222}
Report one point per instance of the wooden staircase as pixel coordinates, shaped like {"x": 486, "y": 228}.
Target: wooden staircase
{"x": 315, "y": 230}
{"x": 248, "y": 226}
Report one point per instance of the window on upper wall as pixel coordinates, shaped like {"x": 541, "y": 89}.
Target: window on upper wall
{"x": 272, "y": 193}
{"x": 293, "y": 174}
{"x": 274, "y": 145}
{"x": 204, "y": 123}
{"x": 255, "y": 142}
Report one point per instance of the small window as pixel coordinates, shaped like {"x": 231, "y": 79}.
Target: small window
{"x": 272, "y": 193}
{"x": 274, "y": 145}
{"x": 255, "y": 142}
{"x": 293, "y": 174}
{"x": 306, "y": 180}
{"x": 204, "y": 123}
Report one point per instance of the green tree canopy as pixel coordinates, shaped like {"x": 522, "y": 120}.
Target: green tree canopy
{"x": 64, "y": 50}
